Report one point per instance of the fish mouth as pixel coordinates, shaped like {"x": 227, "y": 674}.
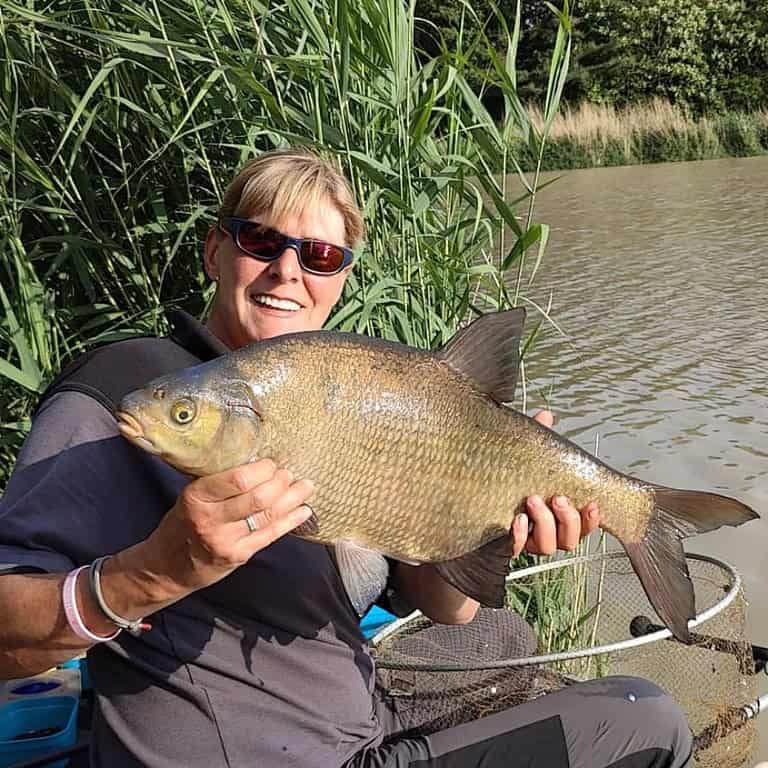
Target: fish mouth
{"x": 131, "y": 429}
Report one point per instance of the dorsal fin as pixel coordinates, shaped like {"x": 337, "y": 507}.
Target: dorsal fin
{"x": 488, "y": 352}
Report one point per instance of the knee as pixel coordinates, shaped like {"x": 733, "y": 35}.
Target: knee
{"x": 660, "y": 715}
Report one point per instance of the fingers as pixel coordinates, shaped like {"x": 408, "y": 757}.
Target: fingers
{"x": 519, "y": 533}
{"x": 266, "y": 496}
{"x": 247, "y": 490}
{"x": 545, "y": 418}
{"x": 542, "y": 539}
{"x": 590, "y": 519}
{"x": 558, "y": 526}
{"x": 231, "y": 482}
{"x": 266, "y": 508}
{"x": 273, "y": 526}
{"x": 568, "y": 523}
{"x": 205, "y": 535}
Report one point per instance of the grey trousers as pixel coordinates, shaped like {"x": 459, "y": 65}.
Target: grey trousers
{"x": 613, "y": 722}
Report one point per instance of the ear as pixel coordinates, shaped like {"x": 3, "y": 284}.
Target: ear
{"x": 213, "y": 240}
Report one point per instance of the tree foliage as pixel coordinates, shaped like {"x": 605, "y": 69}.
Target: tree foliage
{"x": 707, "y": 57}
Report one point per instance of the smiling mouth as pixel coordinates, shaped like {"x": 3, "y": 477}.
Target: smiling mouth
{"x": 131, "y": 429}
{"x": 273, "y": 302}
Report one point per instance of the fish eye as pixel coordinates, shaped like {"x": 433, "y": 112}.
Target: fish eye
{"x": 183, "y": 411}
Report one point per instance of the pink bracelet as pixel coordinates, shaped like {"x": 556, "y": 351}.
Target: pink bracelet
{"x": 68, "y": 594}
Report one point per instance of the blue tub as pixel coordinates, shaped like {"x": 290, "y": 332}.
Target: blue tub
{"x": 26, "y": 717}
{"x": 376, "y": 619}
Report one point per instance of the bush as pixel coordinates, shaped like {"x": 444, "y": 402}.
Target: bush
{"x": 597, "y": 135}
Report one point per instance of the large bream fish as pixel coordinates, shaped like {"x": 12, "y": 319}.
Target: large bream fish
{"x": 413, "y": 456}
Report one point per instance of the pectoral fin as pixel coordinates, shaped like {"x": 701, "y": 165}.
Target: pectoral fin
{"x": 481, "y": 574}
{"x": 364, "y": 573}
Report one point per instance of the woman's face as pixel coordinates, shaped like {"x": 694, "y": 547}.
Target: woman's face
{"x": 244, "y": 306}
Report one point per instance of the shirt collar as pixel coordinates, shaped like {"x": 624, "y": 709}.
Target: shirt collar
{"x": 190, "y": 333}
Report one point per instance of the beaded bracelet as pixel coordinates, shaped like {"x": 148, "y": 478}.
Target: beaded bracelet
{"x": 69, "y": 596}
{"x": 134, "y": 626}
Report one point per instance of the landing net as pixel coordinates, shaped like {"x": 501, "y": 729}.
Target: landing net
{"x": 575, "y": 619}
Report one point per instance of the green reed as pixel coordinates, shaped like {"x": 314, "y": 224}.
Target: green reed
{"x": 121, "y": 123}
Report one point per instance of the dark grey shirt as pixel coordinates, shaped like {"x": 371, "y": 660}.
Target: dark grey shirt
{"x": 265, "y": 668}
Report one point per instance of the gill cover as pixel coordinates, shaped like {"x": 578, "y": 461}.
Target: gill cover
{"x": 198, "y": 420}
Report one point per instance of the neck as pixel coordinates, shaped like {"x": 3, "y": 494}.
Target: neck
{"x": 218, "y": 330}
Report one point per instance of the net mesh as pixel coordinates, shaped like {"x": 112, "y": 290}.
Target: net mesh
{"x": 438, "y": 676}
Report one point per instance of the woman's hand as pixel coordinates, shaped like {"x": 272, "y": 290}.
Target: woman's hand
{"x": 206, "y": 535}
{"x": 558, "y": 525}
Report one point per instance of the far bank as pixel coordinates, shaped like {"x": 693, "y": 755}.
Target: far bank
{"x": 595, "y": 135}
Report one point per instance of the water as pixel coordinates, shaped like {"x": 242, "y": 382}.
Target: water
{"x": 659, "y": 277}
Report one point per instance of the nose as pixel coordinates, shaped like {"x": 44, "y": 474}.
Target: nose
{"x": 286, "y": 268}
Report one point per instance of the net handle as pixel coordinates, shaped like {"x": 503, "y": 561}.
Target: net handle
{"x": 525, "y": 661}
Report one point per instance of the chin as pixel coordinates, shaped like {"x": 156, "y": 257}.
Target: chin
{"x": 261, "y": 331}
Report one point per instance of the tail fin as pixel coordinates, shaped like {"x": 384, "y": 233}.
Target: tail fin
{"x": 659, "y": 558}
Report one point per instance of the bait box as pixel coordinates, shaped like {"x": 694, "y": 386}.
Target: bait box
{"x": 37, "y": 714}
{"x": 53, "y": 682}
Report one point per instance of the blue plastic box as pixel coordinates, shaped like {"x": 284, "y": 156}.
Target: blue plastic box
{"x": 35, "y": 714}
{"x": 376, "y": 619}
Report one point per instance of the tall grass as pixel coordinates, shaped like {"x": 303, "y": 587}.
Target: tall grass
{"x": 597, "y": 134}
{"x": 121, "y": 123}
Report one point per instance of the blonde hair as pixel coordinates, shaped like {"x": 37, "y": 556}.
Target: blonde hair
{"x": 292, "y": 179}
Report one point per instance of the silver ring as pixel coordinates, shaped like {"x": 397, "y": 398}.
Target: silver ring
{"x": 250, "y": 521}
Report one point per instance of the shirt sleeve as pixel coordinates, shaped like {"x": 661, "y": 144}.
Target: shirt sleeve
{"x": 78, "y": 490}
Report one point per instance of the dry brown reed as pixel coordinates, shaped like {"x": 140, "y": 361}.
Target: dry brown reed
{"x": 600, "y": 134}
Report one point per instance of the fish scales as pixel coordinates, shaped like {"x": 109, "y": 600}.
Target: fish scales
{"x": 436, "y": 458}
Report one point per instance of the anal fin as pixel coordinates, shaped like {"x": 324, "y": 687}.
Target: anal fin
{"x": 481, "y": 574}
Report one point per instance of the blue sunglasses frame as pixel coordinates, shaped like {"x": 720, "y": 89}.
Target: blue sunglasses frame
{"x": 233, "y": 224}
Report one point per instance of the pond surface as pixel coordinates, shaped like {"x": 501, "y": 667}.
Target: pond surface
{"x": 659, "y": 279}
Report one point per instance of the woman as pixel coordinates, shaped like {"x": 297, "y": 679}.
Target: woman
{"x": 250, "y": 653}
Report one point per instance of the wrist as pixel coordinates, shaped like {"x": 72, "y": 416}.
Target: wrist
{"x": 134, "y": 585}
{"x": 134, "y": 626}
{"x": 87, "y": 609}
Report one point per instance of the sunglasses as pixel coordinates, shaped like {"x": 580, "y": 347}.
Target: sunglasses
{"x": 265, "y": 244}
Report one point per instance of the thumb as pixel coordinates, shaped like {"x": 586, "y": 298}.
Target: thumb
{"x": 520, "y": 530}
{"x": 545, "y": 418}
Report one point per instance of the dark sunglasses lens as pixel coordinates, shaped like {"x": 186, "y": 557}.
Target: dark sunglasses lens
{"x": 260, "y": 242}
{"x": 321, "y": 257}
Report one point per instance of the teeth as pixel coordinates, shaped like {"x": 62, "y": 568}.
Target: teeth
{"x": 271, "y": 301}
